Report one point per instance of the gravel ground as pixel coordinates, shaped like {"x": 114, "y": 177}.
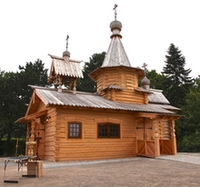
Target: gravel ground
{"x": 166, "y": 171}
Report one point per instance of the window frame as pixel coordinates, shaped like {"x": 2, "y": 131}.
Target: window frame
{"x": 80, "y": 130}
{"x": 109, "y": 136}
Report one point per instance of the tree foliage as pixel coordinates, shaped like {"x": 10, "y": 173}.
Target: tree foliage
{"x": 189, "y": 125}
{"x": 31, "y": 74}
{"x": 156, "y": 80}
{"x": 87, "y": 84}
{"x": 178, "y": 81}
{"x": 15, "y": 95}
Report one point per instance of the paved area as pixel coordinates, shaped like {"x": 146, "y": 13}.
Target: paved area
{"x": 166, "y": 171}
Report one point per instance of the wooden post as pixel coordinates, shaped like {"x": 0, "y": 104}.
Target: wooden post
{"x": 173, "y": 138}
{"x": 30, "y": 144}
{"x": 74, "y": 86}
{"x": 156, "y": 138}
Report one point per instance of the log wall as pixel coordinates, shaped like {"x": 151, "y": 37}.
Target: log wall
{"x": 50, "y": 135}
{"x": 126, "y": 79}
{"x": 89, "y": 146}
{"x": 59, "y": 147}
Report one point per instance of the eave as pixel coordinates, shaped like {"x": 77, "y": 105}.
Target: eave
{"x": 31, "y": 117}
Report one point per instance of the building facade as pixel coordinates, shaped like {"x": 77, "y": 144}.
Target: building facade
{"x": 120, "y": 120}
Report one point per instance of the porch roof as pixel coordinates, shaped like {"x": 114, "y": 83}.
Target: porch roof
{"x": 31, "y": 116}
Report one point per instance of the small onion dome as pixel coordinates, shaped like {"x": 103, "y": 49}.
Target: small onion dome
{"x": 115, "y": 25}
{"x": 145, "y": 82}
{"x": 66, "y": 53}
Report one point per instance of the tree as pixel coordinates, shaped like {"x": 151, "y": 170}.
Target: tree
{"x": 178, "y": 82}
{"x": 31, "y": 74}
{"x": 15, "y": 95}
{"x": 9, "y": 105}
{"x": 156, "y": 80}
{"x": 87, "y": 84}
{"x": 189, "y": 128}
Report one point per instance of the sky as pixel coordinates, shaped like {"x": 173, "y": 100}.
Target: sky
{"x": 32, "y": 29}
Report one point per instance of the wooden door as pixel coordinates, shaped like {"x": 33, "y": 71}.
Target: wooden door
{"x": 145, "y": 143}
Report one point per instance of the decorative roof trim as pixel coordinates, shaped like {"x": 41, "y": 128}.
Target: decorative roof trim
{"x": 62, "y": 58}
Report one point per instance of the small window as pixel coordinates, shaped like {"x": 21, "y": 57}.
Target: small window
{"x": 74, "y": 130}
{"x": 108, "y": 130}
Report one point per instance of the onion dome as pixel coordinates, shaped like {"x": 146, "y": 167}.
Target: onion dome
{"x": 145, "y": 82}
{"x": 115, "y": 25}
{"x": 66, "y": 53}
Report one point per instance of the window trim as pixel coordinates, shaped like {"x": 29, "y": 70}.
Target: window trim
{"x": 80, "y": 130}
{"x": 108, "y": 130}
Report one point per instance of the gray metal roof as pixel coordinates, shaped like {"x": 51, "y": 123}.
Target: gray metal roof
{"x": 116, "y": 54}
{"x": 66, "y": 67}
{"x": 157, "y": 97}
{"x": 91, "y": 100}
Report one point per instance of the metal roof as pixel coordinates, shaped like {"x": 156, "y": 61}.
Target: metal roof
{"x": 116, "y": 54}
{"x": 157, "y": 97}
{"x": 66, "y": 67}
{"x": 91, "y": 100}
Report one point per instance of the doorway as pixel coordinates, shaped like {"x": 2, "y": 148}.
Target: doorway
{"x": 145, "y": 145}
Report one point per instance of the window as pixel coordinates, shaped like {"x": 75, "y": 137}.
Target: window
{"x": 108, "y": 130}
{"x": 74, "y": 130}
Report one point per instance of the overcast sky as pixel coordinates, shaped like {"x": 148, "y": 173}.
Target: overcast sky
{"x": 32, "y": 29}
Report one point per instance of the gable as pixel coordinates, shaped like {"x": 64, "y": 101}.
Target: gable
{"x": 35, "y": 104}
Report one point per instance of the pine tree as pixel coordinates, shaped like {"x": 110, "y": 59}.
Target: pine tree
{"x": 189, "y": 126}
{"x": 178, "y": 82}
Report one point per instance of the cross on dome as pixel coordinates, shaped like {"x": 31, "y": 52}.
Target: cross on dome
{"x": 115, "y": 8}
{"x": 67, "y": 42}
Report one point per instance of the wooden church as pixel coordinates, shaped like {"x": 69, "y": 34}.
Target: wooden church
{"x": 120, "y": 120}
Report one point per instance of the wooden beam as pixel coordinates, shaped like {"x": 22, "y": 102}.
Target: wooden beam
{"x": 145, "y": 115}
{"x": 30, "y": 117}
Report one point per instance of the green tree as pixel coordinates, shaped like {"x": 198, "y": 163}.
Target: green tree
{"x": 31, "y": 74}
{"x": 156, "y": 80}
{"x": 189, "y": 126}
{"x": 178, "y": 82}
{"x": 87, "y": 84}
{"x": 9, "y": 105}
{"x": 15, "y": 95}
